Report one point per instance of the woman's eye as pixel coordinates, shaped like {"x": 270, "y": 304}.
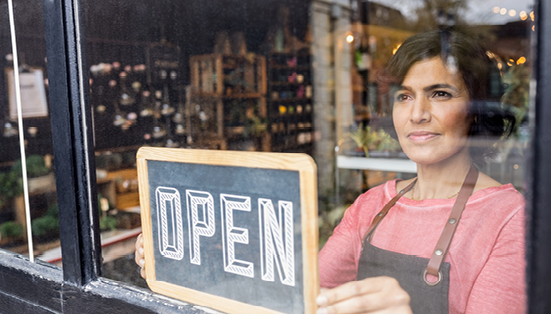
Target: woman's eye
{"x": 402, "y": 97}
{"x": 441, "y": 94}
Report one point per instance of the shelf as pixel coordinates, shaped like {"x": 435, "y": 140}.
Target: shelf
{"x": 289, "y": 87}
{"x": 232, "y": 101}
{"x": 281, "y": 83}
{"x": 296, "y": 148}
{"x": 245, "y": 95}
{"x": 208, "y": 74}
{"x": 231, "y": 96}
{"x": 287, "y": 67}
{"x": 290, "y": 99}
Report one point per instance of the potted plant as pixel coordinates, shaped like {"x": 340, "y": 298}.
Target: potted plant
{"x": 46, "y": 228}
{"x": 378, "y": 141}
{"x": 9, "y": 187}
{"x": 384, "y": 144}
{"x": 39, "y": 176}
{"x": 10, "y": 232}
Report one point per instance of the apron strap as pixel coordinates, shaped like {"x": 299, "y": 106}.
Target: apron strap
{"x": 443, "y": 244}
{"x": 377, "y": 219}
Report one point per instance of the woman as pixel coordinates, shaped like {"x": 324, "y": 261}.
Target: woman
{"x": 400, "y": 247}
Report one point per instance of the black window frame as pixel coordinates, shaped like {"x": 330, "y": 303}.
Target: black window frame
{"x": 38, "y": 287}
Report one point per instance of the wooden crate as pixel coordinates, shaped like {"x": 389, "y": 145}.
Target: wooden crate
{"x": 121, "y": 197}
{"x": 228, "y": 75}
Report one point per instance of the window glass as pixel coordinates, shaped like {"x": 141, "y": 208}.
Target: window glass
{"x": 437, "y": 86}
{"x": 37, "y": 136}
{"x": 505, "y": 28}
{"x": 301, "y": 76}
{"x": 230, "y": 75}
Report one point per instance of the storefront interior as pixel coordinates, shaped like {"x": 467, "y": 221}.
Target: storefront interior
{"x": 242, "y": 75}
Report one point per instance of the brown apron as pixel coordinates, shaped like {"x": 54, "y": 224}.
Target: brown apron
{"x": 411, "y": 271}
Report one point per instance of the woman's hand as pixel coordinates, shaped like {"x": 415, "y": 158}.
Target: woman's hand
{"x": 138, "y": 255}
{"x": 371, "y": 295}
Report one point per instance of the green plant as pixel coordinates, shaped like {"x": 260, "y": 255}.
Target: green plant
{"x": 11, "y": 230}
{"x": 363, "y": 137}
{"x": 368, "y": 139}
{"x": 9, "y": 186}
{"x": 10, "y": 181}
{"x": 45, "y": 225}
{"x": 108, "y": 223}
{"x": 36, "y": 166}
{"x": 49, "y": 223}
{"x": 386, "y": 143}
{"x": 53, "y": 211}
{"x": 254, "y": 126}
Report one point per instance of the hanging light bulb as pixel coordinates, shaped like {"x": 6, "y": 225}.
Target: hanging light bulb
{"x": 9, "y": 130}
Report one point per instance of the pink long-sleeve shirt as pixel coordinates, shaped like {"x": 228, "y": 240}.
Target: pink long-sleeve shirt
{"x": 486, "y": 254}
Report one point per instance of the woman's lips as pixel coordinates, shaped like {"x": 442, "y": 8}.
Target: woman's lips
{"x": 422, "y": 136}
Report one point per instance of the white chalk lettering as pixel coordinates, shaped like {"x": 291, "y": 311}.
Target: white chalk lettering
{"x": 232, "y": 234}
{"x": 276, "y": 231}
{"x": 171, "y": 233}
{"x": 200, "y": 221}
{"x": 274, "y": 250}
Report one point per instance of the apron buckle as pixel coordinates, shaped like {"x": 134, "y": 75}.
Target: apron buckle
{"x": 432, "y": 283}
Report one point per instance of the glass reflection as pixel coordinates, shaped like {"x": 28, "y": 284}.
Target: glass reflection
{"x": 36, "y": 132}
{"x": 277, "y": 76}
{"x": 226, "y": 74}
{"x": 422, "y": 78}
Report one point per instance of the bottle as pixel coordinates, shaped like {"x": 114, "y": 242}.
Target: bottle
{"x": 167, "y": 109}
{"x": 146, "y": 104}
{"x": 119, "y": 116}
{"x": 125, "y": 96}
{"x": 159, "y": 129}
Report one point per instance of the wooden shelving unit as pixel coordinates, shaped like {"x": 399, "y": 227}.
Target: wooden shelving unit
{"x": 228, "y": 101}
{"x": 120, "y": 187}
{"x": 290, "y": 102}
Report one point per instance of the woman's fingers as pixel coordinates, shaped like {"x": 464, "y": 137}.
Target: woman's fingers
{"x": 348, "y": 290}
{"x": 372, "y": 295}
{"x": 139, "y": 241}
{"x": 139, "y": 255}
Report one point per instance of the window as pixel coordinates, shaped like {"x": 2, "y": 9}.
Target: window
{"x": 279, "y": 76}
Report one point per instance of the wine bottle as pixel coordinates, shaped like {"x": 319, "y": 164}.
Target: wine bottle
{"x": 125, "y": 96}
{"x": 119, "y": 116}
{"x": 167, "y": 109}
{"x": 146, "y": 104}
{"x": 159, "y": 129}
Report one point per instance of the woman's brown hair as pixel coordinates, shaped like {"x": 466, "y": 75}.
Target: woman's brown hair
{"x": 480, "y": 76}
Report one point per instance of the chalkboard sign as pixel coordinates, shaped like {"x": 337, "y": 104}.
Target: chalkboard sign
{"x": 162, "y": 63}
{"x": 234, "y": 231}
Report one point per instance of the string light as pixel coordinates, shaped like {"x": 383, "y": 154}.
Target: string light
{"x": 349, "y": 38}
{"x": 521, "y": 60}
{"x": 523, "y": 15}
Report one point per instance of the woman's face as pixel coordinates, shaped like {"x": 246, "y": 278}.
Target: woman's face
{"x": 431, "y": 112}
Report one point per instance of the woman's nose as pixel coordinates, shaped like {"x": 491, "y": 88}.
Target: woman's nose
{"x": 420, "y": 112}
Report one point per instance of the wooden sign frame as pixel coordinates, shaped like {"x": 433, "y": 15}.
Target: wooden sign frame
{"x": 301, "y": 163}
